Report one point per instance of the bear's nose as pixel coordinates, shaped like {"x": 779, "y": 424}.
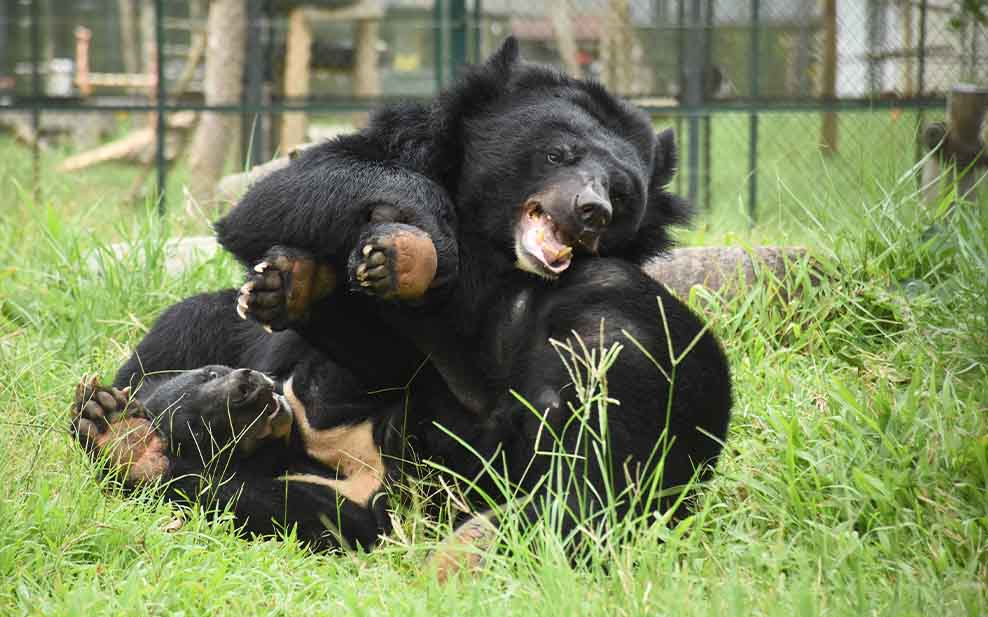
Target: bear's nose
{"x": 593, "y": 210}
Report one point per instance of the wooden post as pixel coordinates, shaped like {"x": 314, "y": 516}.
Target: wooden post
{"x": 906, "y": 11}
{"x": 562, "y": 25}
{"x": 957, "y": 145}
{"x": 147, "y": 35}
{"x": 828, "y": 131}
{"x": 83, "y": 37}
{"x": 294, "y": 125}
{"x": 366, "y": 80}
{"x": 128, "y": 36}
{"x": 617, "y": 47}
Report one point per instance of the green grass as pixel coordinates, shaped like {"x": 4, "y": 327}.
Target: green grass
{"x": 854, "y": 482}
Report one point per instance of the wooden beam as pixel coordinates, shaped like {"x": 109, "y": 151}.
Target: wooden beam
{"x": 127, "y": 146}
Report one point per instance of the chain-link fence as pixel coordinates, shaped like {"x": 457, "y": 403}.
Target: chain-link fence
{"x": 770, "y": 97}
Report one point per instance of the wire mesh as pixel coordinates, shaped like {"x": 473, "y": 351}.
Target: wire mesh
{"x": 768, "y": 95}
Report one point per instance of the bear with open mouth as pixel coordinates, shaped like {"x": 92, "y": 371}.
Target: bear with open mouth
{"x": 522, "y": 203}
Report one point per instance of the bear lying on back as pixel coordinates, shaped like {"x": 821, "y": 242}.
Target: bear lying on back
{"x": 206, "y": 433}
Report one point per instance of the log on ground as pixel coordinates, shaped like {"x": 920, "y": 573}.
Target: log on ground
{"x": 727, "y": 270}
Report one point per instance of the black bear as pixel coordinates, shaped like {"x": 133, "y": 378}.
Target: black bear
{"x": 516, "y": 165}
{"x": 539, "y": 195}
{"x": 292, "y": 442}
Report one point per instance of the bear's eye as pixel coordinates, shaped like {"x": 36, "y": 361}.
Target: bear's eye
{"x": 555, "y": 157}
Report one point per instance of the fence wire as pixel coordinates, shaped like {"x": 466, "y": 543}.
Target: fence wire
{"x": 768, "y": 96}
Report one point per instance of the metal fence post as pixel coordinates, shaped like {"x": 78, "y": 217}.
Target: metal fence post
{"x": 921, "y": 78}
{"x": 458, "y": 37}
{"x": 803, "y": 53}
{"x": 707, "y": 151}
{"x": 753, "y": 117}
{"x": 160, "y": 163}
{"x": 921, "y": 81}
{"x": 872, "y": 29}
{"x": 439, "y": 26}
{"x": 252, "y": 123}
{"x": 680, "y": 75}
{"x": 974, "y": 52}
{"x": 693, "y": 97}
{"x": 478, "y": 30}
{"x": 36, "y": 99}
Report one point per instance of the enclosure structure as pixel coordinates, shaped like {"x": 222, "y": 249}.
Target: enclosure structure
{"x": 771, "y": 97}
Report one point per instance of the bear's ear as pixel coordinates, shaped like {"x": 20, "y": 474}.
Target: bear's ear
{"x": 668, "y": 208}
{"x": 506, "y": 56}
{"x": 662, "y": 208}
{"x": 664, "y": 158}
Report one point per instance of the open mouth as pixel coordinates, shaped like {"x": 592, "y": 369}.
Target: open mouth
{"x": 541, "y": 240}
{"x": 278, "y": 423}
{"x": 246, "y": 392}
{"x": 280, "y": 420}
{"x": 256, "y": 386}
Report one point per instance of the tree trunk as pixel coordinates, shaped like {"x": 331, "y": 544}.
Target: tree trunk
{"x": 226, "y": 32}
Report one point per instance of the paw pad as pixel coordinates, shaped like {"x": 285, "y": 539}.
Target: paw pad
{"x": 396, "y": 262}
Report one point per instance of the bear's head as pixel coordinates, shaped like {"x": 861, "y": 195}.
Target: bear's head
{"x": 206, "y": 410}
{"x": 550, "y": 167}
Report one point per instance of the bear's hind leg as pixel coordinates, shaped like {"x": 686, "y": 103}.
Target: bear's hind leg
{"x": 118, "y": 431}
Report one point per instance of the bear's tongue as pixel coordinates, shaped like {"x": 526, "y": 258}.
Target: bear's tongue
{"x": 541, "y": 242}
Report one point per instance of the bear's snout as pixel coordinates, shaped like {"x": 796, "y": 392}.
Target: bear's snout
{"x": 593, "y": 209}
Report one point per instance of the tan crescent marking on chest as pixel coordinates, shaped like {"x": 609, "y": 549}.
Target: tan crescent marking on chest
{"x": 348, "y": 450}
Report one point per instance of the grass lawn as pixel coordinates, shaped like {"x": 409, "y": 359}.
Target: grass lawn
{"x": 854, "y": 482}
